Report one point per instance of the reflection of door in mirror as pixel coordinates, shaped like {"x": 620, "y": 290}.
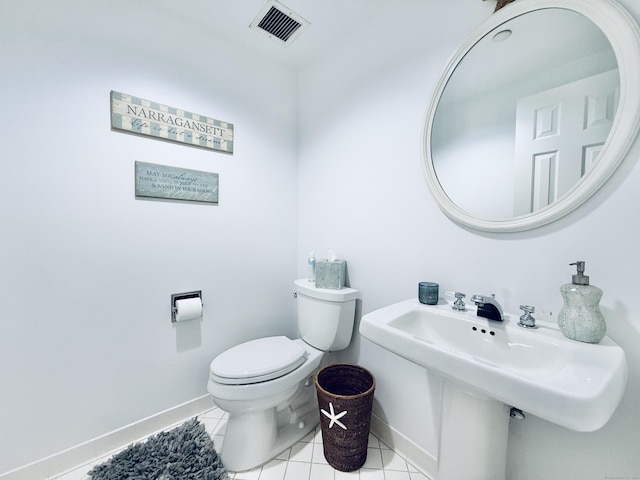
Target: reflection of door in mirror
{"x": 559, "y": 133}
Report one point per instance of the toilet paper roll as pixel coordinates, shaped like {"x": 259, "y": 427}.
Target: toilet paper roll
{"x": 188, "y": 309}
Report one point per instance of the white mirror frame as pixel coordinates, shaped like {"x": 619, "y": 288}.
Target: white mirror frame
{"x": 624, "y": 35}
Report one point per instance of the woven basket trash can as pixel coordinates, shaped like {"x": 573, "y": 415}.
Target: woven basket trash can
{"x": 345, "y": 399}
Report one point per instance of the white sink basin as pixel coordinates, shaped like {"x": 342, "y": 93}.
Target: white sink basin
{"x": 572, "y": 384}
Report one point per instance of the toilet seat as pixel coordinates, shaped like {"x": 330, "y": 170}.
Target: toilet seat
{"x": 257, "y": 361}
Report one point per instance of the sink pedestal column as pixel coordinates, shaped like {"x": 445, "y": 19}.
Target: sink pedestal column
{"x": 473, "y": 436}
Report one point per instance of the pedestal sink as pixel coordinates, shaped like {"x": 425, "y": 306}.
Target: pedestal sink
{"x": 489, "y": 367}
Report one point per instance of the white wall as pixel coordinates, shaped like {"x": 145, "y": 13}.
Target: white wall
{"x": 86, "y": 269}
{"x": 362, "y": 193}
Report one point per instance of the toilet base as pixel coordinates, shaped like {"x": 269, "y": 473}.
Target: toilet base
{"x": 253, "y": 438}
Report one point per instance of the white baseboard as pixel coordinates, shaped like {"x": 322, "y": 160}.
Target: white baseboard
{"x": 418, "y": 457}
{"x": 98, "y": 447}
{"x": 101, "y": 446}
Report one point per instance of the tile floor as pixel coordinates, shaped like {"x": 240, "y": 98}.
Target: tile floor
{"x": 303, "y": 461}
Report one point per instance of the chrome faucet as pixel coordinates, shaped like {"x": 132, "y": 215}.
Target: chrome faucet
{"x": 488, "y": 307}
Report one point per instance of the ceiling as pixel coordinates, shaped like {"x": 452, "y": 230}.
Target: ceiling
{"x": 331, "y": 21}
{"x": 393, "y": 24}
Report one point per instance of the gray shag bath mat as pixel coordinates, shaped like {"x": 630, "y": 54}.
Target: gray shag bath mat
{"x": 184, "y": 453}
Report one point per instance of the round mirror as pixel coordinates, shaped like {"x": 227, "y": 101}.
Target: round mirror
{"x": 534, "y": 113}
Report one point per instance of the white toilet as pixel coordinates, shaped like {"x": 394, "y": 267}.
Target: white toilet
{"x": 267, "y": 385}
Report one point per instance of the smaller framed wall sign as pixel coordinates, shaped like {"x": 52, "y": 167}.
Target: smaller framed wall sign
{"x": 160, "y": 181}
{"x": 144, "y": 117}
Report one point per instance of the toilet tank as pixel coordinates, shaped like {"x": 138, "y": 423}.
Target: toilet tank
{"x": 325, "y": 316}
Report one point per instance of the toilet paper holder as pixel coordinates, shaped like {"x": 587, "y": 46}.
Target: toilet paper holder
{"x": 181, "y": 296}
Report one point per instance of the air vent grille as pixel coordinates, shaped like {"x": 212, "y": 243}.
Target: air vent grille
{"x": 279, "y": 22}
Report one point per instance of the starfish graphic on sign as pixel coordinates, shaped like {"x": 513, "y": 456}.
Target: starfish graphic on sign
{"x": 333, "y": 417}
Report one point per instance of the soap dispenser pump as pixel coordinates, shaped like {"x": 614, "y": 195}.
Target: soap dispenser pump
{"x": 580, "y": 317}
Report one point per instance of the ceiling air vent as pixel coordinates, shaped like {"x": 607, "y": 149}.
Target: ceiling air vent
{"x": 279, "y": 23}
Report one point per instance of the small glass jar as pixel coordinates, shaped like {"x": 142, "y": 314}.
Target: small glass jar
{"x": 428, "y": 293}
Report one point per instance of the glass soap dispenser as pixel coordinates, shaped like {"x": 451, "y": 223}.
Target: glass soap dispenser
{"x": 580, "y": 317}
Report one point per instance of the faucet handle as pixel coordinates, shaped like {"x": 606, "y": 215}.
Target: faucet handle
{"x": 527, "y": 320}
{"x": 459, "y": 305}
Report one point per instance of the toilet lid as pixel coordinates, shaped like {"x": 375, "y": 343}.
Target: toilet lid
{"x": 257, "y": 361}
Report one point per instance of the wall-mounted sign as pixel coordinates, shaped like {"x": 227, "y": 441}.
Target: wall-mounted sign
{"x": 136, "y": 115}
{"x": 160, "y": 181}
